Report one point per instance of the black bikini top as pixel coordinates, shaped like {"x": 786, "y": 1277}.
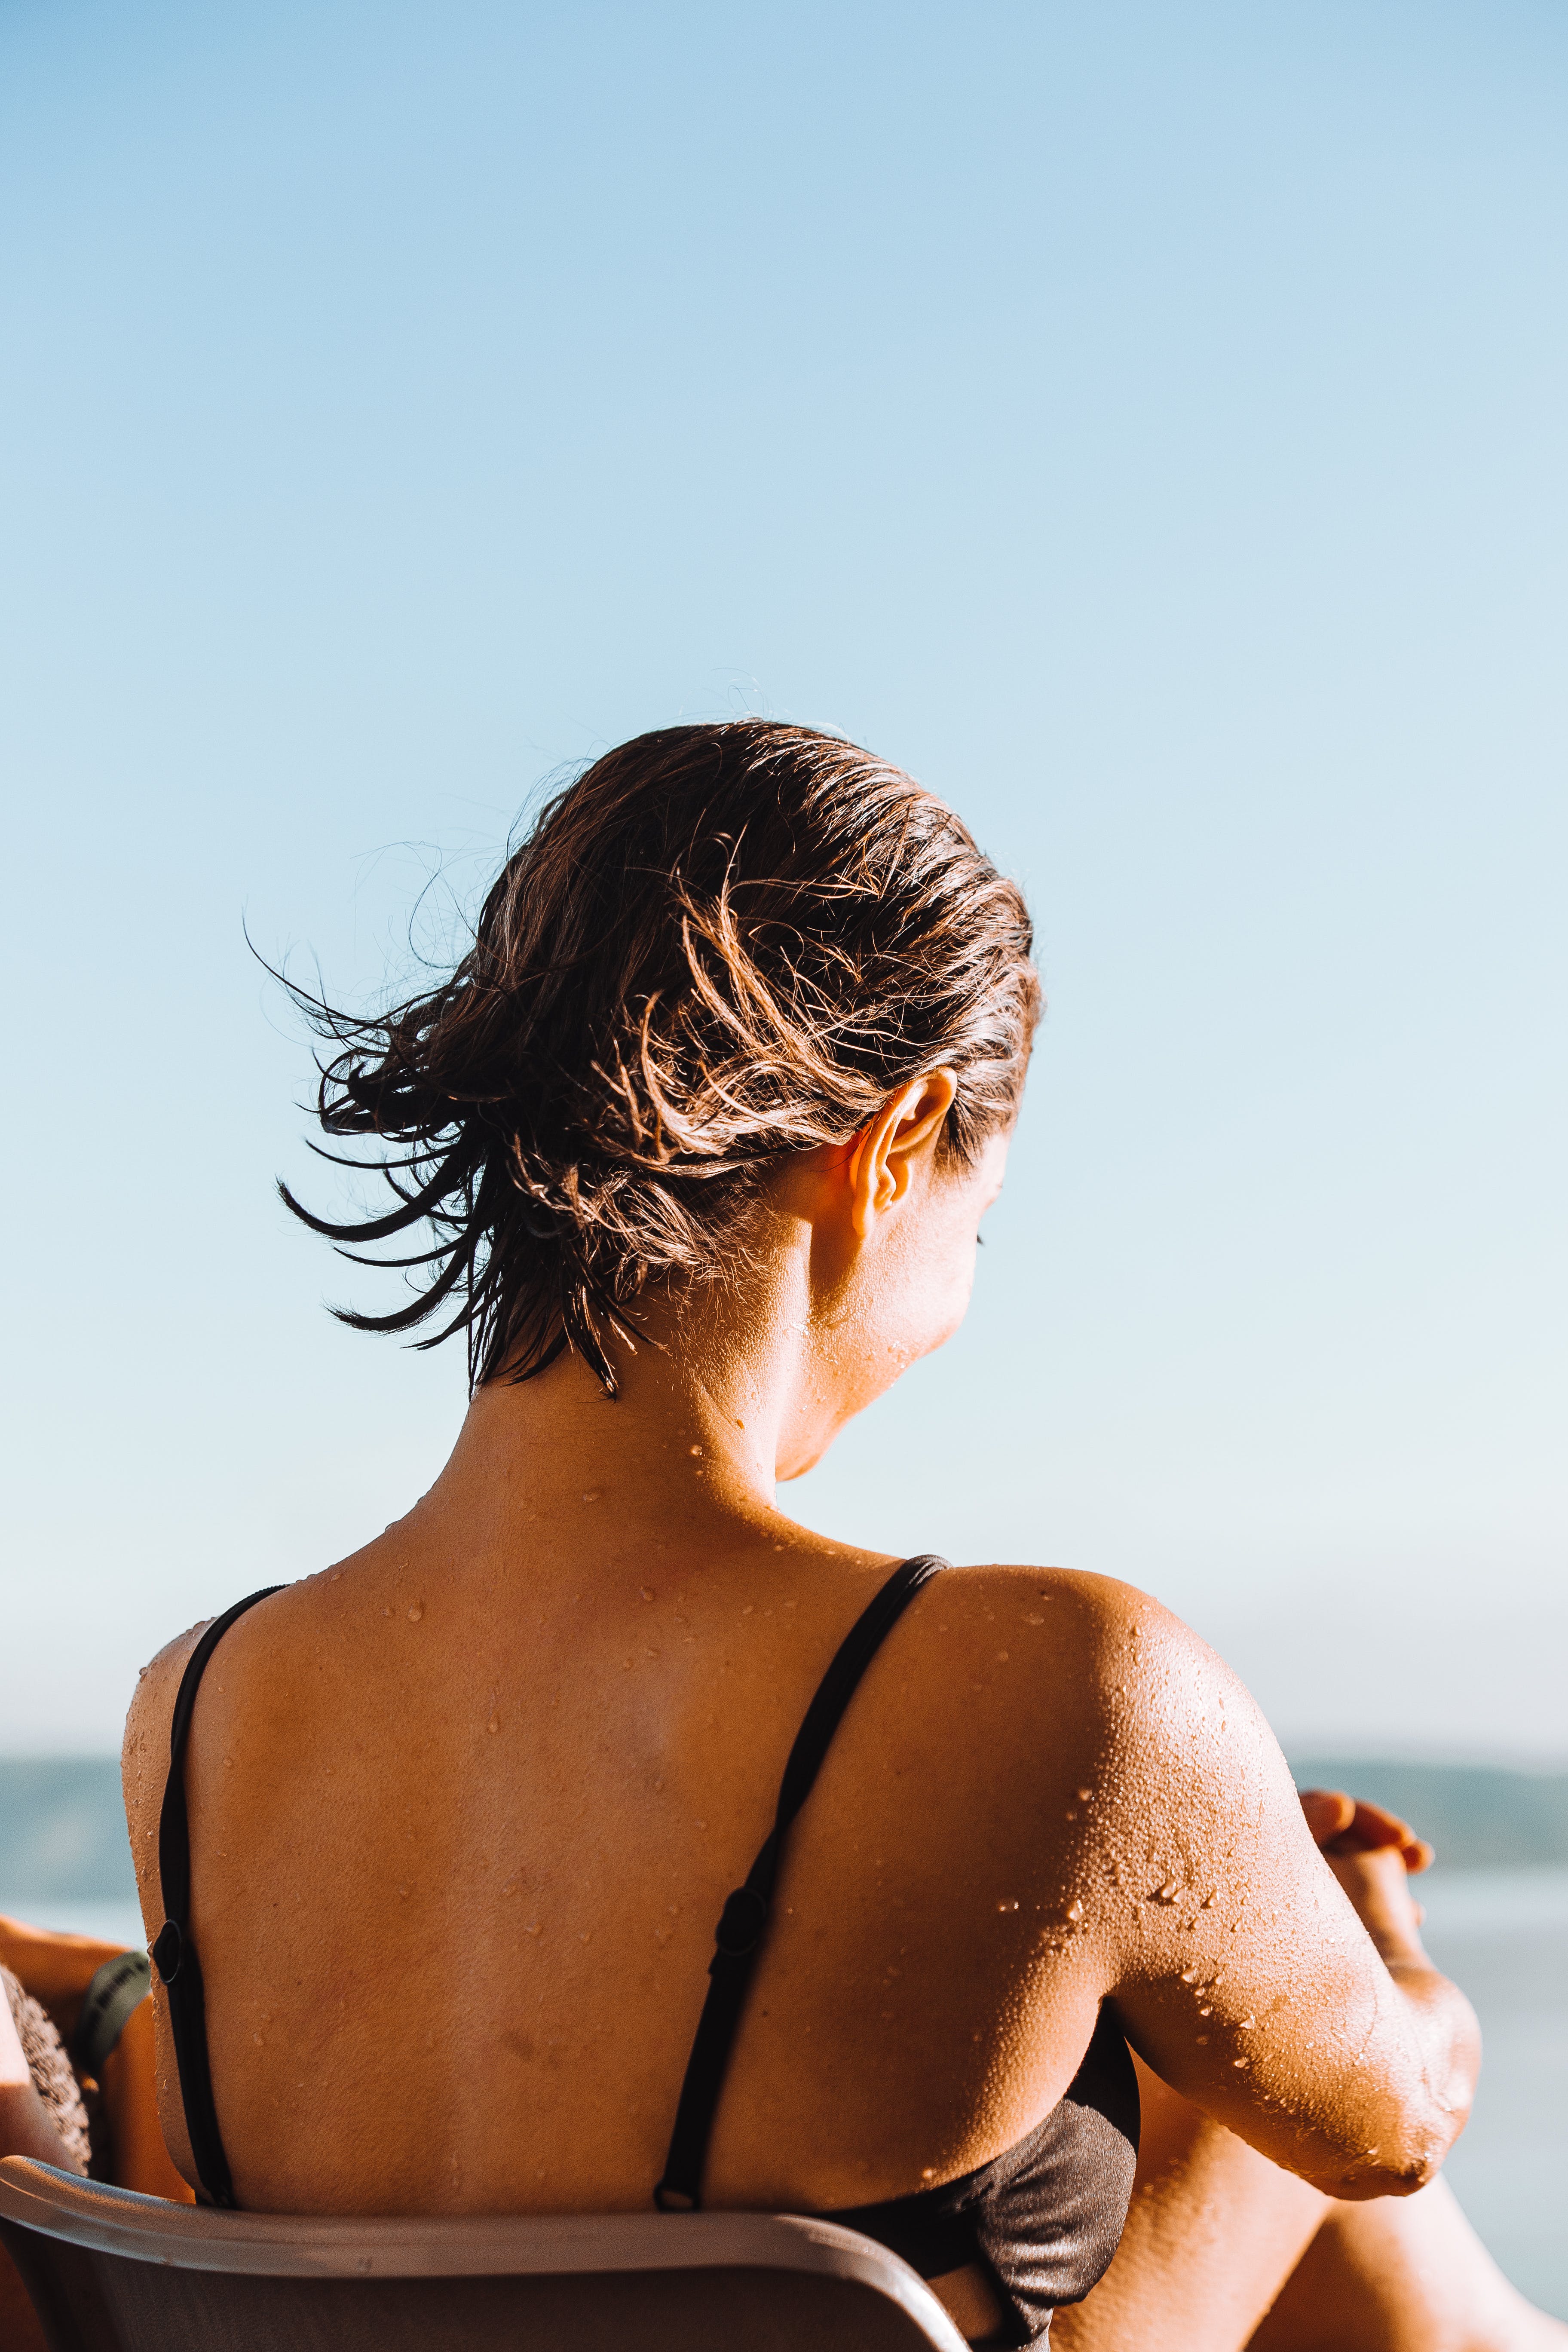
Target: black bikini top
{"x": 1043, "y": 2219}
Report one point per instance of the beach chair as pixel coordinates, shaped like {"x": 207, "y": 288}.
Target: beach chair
{"x": 110, "y": 2270}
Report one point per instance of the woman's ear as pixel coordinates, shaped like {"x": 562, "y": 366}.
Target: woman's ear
{"x": 888, "y": 1149}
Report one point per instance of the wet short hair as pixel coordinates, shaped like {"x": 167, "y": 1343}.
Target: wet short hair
{"x": 721, "y": 944}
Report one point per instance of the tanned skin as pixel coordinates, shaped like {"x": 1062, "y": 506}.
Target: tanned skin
{"x": 466, "y": 1805}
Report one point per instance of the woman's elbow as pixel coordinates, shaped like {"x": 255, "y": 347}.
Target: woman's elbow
{"x": 1405, "y": 2158}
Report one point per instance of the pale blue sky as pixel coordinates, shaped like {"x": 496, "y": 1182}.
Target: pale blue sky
{"x": 1146, "y": 424}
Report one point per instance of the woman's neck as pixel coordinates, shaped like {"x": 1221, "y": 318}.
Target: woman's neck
{"x": 715, "y": 1400}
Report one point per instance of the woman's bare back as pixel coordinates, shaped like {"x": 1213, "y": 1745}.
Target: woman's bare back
{"x": 461, "y": 1833}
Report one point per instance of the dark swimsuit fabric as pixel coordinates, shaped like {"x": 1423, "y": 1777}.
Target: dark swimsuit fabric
{"x": 1043, "y": 2219}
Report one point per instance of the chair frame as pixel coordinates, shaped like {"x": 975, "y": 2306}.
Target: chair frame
{"x": 122, "y": 2222}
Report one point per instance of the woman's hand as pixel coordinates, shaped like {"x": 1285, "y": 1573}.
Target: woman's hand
{"x": 1343, "y": 1824}
{"x": 1373, "y": 1853}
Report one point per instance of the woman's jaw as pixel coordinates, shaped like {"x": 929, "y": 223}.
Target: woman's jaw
{"x": 858, "y": 1261}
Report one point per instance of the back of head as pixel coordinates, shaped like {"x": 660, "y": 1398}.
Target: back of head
{"x": 721, "y": 944}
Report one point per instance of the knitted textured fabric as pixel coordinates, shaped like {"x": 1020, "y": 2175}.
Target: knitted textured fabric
{"x": 50, "y": 2067}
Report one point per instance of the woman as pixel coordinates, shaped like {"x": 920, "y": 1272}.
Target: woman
{"x": 703, "y": 1127}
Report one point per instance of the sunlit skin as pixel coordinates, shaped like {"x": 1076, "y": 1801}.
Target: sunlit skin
{"x": 466, "y": 1805}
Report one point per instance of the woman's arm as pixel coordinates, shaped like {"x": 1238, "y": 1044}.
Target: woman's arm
{"x": 1236, "y": 1955}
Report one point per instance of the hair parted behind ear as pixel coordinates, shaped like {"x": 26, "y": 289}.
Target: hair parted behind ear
{"x": 721, "y": 944}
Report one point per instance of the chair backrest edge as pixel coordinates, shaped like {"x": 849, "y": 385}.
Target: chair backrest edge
{"x": 120, "y": 2222}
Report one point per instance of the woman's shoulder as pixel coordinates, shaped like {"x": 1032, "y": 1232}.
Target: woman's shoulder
{"x": 144, "y": 1750}
{"x": 144, "y": 1759}
{"x": 1051, "y": 1612}
{"x": 147, "y": 1720}
{"x": 1072, "y": 1662}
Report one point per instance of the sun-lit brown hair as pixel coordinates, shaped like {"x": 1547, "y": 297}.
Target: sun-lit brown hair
{"x": 721, "y": 944}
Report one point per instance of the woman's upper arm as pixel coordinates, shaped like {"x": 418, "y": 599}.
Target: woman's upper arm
{"x": 1237, "y": 1965}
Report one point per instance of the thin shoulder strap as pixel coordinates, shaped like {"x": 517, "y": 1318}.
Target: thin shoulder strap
{"x": 744, "y": 1918}
{"x": 173, "y": 1953}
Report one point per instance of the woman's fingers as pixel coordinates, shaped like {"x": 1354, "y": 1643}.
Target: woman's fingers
{"x": 1329, "y": 1812}
{"x": 1343, "y": 1824}
{"x": 1375, "y": 1826}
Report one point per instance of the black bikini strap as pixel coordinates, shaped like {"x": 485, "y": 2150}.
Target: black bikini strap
{"x": 173, "y": 1953}
{"x": 745, "y": 1917}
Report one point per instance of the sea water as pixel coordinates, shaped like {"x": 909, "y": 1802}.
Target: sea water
{"x": 1503, "y": 1936}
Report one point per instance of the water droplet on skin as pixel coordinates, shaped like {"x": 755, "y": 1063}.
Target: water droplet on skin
{"x": 1246, "y": 2023}
{"x": 646, "y": 1592}
{"x": 1202, "y": 2039}
{"x": 749, "y": 1609}
{"x": 1069, "y": 1817}
{"x": 403, "y": 1890}
{"x": 387, "y": 1612}
{"x": 1007, "y": 1906}
{"x": 531, "y": 1929}
{"x": 930, "y": 2172}
{"x": 1189, "y": 1976}
{"x": 593, "y": 1494}
{"x": 1034, "y": 1620}
{"x": 417, "y": 1611}
{"x": 1075, "y": 1910}
{"x": 1238, "y": 2062}
{"x": 1084, "y": 1795}
{"x": 695, "y": 1451}
{"x": 511, "y": 1886}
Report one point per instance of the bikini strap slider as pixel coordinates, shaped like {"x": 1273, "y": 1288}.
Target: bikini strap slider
{"x": 168, "y": 1951}
{"x": 740, "y": 1923}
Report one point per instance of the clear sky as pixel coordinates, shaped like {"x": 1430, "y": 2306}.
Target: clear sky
{"x": 1145, "y": 424}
